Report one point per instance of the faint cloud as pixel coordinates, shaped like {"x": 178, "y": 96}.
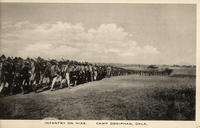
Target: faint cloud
{"x": 106, "y": 43}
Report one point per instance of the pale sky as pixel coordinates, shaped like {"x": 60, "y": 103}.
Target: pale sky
{"x": 112, "y": 33}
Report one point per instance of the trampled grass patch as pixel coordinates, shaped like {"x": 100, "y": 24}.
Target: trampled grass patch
{"x": 117, "y": 98}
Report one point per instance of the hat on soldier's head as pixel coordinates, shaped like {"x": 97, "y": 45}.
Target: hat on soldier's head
{"x": 3, "y": 57}
{"x": 53, "y": 62}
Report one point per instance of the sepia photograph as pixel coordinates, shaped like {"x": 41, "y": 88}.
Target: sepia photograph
{"x": 98, "y": 61}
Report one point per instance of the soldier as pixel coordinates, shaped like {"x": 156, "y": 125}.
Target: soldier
{"x": 64, "y": 76}
{"x": 25, "y": 77}
{"x": 8, "y": 75}
{"x": 95, "y": 75}
{"x": 73, "y": 77}
{"x": 1, "y": 65}
{"x": 37, "y": 74}
{"x": 32, "y": 73}
{"x": 17, "y": 80}
{"x": 42, "y": 66}
{"x": 67, "y": 78}
{"x": 99, "y": 71}
{"x": 91, "y": 72}
{"x": 88, "y": 75}
{"x": 52, "y": 70}
{"x": 82, "y": 75}
{"x": 56, "y": 81}
{"x": 79, "y": 75}
{"x": 3, "y": 76}
{"x": 46, "y": 78}
{"x": 108, "y": 71}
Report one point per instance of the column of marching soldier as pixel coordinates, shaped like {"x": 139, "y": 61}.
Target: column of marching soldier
{"x": 24, "y": 75}
{"x": 20, "y": 75}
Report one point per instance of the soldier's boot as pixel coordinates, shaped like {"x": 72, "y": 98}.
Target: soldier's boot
{"x": 22, "y": 88}
{"x": 35, "y": 88}
{"x": 75, "y": 83}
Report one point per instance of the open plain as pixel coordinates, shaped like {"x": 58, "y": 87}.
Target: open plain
{"x": 131, "y": 97}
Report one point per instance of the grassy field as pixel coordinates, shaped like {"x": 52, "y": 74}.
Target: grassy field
{"x": 182, "y": 72}
{"x": 117, "y": 98}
